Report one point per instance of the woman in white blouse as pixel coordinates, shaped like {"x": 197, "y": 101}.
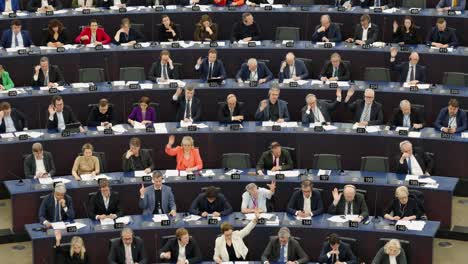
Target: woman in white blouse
{"x": 230, "y": 245}
{"x": 391, "y": 253}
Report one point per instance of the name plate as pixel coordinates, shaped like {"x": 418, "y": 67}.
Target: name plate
{"x": 165, "y": 222}
{"x": 23, "y": 137}
{"x": 454, "y": 91}
{"x": 53, "y": 90}
{"x": 324, "y": 177}
{"x": 253, "y": 83}
{"x": 306, "y": 221}
{"x": 353, "y": 224}
{"x": 92, "y": 88}
{"x": 175, "y": 45}
{"x": 122, "y": 10}
{"x": 290, "y": 44}
{"x": 146, "y": 178}
{"x": 261, "y": 221}
{"x": 451, "y": 13}
{"x": 404, "y": 48}
{"x": 341, "y": 9}
{"x": 414, "y": 182}
{"x": 159, "y": 9}
{"x": 378, "y": 10}
{"x": 328, "y": 45}
{"x": 12, "y": 93}
{"x": 268, "y": 8}
{"x": 276, "y": 128}
{"x": 251, "y": 44}
{"x": 119, "y": 225}
{"x": 150, "y": 129}
{"x": 86, "y": 11}
{"x": 108, "y": 131}
{"x": 319, "y": 129}
{"x": 365, "y": 46}
{"x": 191, "y": 177}
{"x": 401, "y": 228}
{"x": 173, "y": 85}
{"x": 235, "y": 176}
{"x": 134, "y": 86}
{"x": 99, "y": 47}
{"x": 446, "y": 135}
{"x": 137, "y": 46}
{"x": 369, "y": 179}
{"x": 414, "y": 11}
{"x": 196, "y": 8}
{"x": 49, "y": 13}
{"x": 212, "y": 221}
{"x": 293, "y": 84}
{"x": 66, "y": 133}
{"x": 413, "y": 88}
{"x": 60, "y": 49}
{"x": 234, "y": 127}
{"x": 72, "y": 229}
{"x": 22, "y": 52}
{"x": 361, "y": 130}
{"x": 279, "y": 176}
{"x": 443, "y": 50}
{"x": 333, "y": 85}
{"x": 403, "y": 132}
{"x": 192, "y": 128}
{"x": 374, "y": 86}
{"x": 12, "y": 15}
{"x": 231, "y": 8}
{"x": 213, "y": 84}
{"x": 305, "y": 8}
{"x": 213, "y": 44}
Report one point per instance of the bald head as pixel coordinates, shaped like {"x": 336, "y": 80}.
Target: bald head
{"x": 290, "y": 58}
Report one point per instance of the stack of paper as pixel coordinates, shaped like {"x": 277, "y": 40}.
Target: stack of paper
{"x": 45, "y": 88}
{"x": 62, "y": 225}
{"x": 107, "y": 221}
{"x": 272, "y": 5}
{"x": 118, "y": 83}
{"x": 144, "y": 86}
{"x": 31, "y": 134}
{"x": 323, "y": 172}
{"x": 80, "y": 85}
{"x": 141, "y": 173}
{"x": 160, "y": 128}
{"x": 17, "y": 90}
{"x": 281, "y": 124}
{"x": 300, "y": 82}
{"x": 187, "y": 124}
{"x": 342, "y": 218}
{"x": 14, "y": 49}
{"x": 208, "y": 173}
{"x": 323, "y": 43}
{"x": 175, "y": 173}
{"x": 340, "y": 83}
{"x": 273, "y": 222}
{"x": 262, "y": 215}
{"x": 180, "y": 83}
{"x": 257, "y": 43}
{"x": 464, "y": 134}
{"x": 119, "y": 129}
{"x": 18, "y": 13}
{"x": 7, "y": 135}
{"x": 102, "y": 176}
{"x": 203, "y": 8}
{"x": 287, "y": 173}
{"x": 390, "y": 10}
{"x": 192, "y": 218}
{"x": 171, "y": 7}
{"x": 410, "y": 177}
{"x": 87, "y": 177}
{"x": 92, "y": 9}
{"x": 49, "y": 180}
{"x": 414, "y": 134}
{"x": 412, "y": 225}
{"x": 448, "y": 49}
{"x": 47, "y": 48}
{"x": 401, "y": 128}
{"x": 229, "y": 173}
{"x": 129, "y": 8}
{"x": 124, "y": 219}
{"x": 421, "y": 86}
{"x": 303, "y": 218}
{"x": 138, "y": 125}
{"x": 369, "y": 129}
{"x": 157, "y": 218}
{"x": 93, "y": 46}
{"x": 316, "y": 82}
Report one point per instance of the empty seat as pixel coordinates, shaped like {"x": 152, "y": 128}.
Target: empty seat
{"x": 376, "y": 74}
{"x": 327, "y": 161}
{"x": 288, "y": 33}
{"x": 236, "y": 161}
{"x": 91, "y": 75}
{"x": 132, "y": 74}
{"x": 455, "y": 79}
{"x": 414, "y": 3}
{"x": 374, "y": 164}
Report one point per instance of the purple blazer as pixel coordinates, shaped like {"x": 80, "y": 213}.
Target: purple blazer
{"x": 137, "y": 115}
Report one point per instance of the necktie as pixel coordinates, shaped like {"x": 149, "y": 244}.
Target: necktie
{"x": 254, "y": 202}
{"x": 316, "y": 115}
{"x": 454, "y": 3}
{"x": 16, "y": 40}
{"x": 350, "y": 212}
{"x": 46, "y": 78}
{"x": 57, "y": 212}
{"x": 406, "y": 121}
{"x": 377, "y": 3}
{"x": 293, "y": 72}
{"x": 282, "y": 258}
{"x": 187, "y": 109}
{"x": 276, "y": 162}
{"x": 165, "y": 76}
{"x": 412, "y": 73}
{"x": 210, "y": 70}
{"x": 335, "y": 72}
{"x": 365, "y": 114}
{"x": 409, "y": 165}
{"x": 128, "y": 255}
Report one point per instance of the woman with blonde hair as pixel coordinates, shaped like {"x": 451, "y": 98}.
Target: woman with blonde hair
{"x": 391, "y": 253}
{"x": 77, "y": 253}
{"x": 402, "y": 207}
{"x": 86, "y": 163}
{"x": 187, "y": 156}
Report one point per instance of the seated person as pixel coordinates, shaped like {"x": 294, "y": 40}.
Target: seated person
{"x": 225, "y": 2}
{"x": 75, "y": 254}
{"x": 210, "y": 202}
{"x": 181, "y": 249}
{"x": 442, "y": 36}
{"x": 89, "y": 3}
{"x": 157, "y": 198}
{"x": 365, "y": 32}
{"x": 44, "y": 5}
{"x": 254, "y": 71}
{"x": 143, "y": 113}
{"x": 406, "y": 116}
{"x": 206, "y": 30}
{"x": 458, "y": 5}
{"x": 284, "y": 249}
{"x": 47, "y": 75}
{"x": 39, "y": 164}
{"x": 231, "y": 111}
{"x": 349, "y": 202}
{"x": 60, "y": 115}
{"x": 451, "y": 119}
{"x": 56, "y": 35}
{"x": 105, "y": 204}
{"x": 136, "y": 159}
{"x": 6, "y": 83}
{"x": 254, "y": 199}
{"x": 168, "y": 31}
{"x": 211, "y": 68}
{"x": 163, "y": 69}
{"x": 15, "y": 37}
{"x": 292, "y": 68}
{"x": 188, "y": 106}
{"x": 367, "y": 112}
{"x": 406, "y": 34}
{"x": 102, "y": 115}
{"x": 258, "y": 2}
{"x": 11, "y": 119}
{"x": 116, "y": 3}
{"x": 128, "y": 249}
{"x": 56, "y": 207}
{"x": 275, "y": 159}
{"x": 187, "y": 156}
{"x": 86, "y": 163}
{"x": 327, "y": 31}
{"x": 402, "y": 207}
{"x": 390, "y": 253}
{"x": 410, "y": 72}
{"x": 126, "y": 34}
{"x": 93, "y": 35}
{"x": 273, "y": 108}
{"x": 319, "y": 111}
{"x": 413, "y": 162}
{"x": 306, "y": 201}
{"x": 245, "y": 30}
{"x": 10, "y": 6}
{"x": 336, "y": 251}
{"x": 230, "y": 245}
{"x": 335, "y": 70}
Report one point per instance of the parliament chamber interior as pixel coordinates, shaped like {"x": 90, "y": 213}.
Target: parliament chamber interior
{"x": 233, "y": 131}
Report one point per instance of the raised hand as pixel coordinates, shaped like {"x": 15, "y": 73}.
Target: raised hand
{"x": 171, "y": 140}
{"x": 336, "y": 195}
{"x": 393, "y": 52}
{"x": 142, "y": 190}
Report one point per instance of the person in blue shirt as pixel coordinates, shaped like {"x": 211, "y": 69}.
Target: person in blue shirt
{"x": 451, "y": 119}
{"x": 9, "y": 5}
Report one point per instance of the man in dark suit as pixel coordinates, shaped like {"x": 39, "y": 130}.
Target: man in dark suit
{"x": 306, "y": 201}
{"x": 211, "y": 68}
{"x": 406, "y": 116}
{"x": 254, "y": 71}
{"x": 171, "y": 251}
{"x": 210, "y": 202}
{"x": 13, "y": 6}
{"x": 127, "y": 249}
{"x": 163, "y": 70}
{"x": 293, "y": 69}
{"x": 157, "y": 198}
{"x": 284, "y": 245}
{"x": 135, "y": 158}
{"x": 366, "y": 32}
{"x": 102, "y": 115}
{"x": 275, "y": 159}
{"x": 451, "y": 119}
{"x": 349, "y": 203}
{"x": 127, "y": 35}
{"x": 319, "y": 111}
{"x": 410, "y": 72}
{"x": 335, "y": 251}
{"x": 15, "y": 37}
{"x": 60, "y": 114}
{"x": 335, "y": 69}
{"x": 37, "y": 5}
{"x": 442, "y": 36}
{"x": 11, "y": 120}
{"x": 188, "y": 106}
{"x": 231, "y": 111}
{"x": 444, "y": 5}
{"x": 327, "y": 31}
{"x": 39, "y": 164}
{"x": 273, "y": 108}
{"x": 47, "y": 75}
{"x": 367, "y": 112}
{"x": 245, "y": 30}
{"x": 56, "y": 207}
{"x": 105, "y": 204}
{"x": 413, "y": 162}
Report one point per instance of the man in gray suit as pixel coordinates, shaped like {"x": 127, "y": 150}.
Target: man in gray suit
{"x": 284, "y": 249}
{"x": 39, "y": 164}
{"x": 157, "y": 198}
{"x": 273, "y": 108}
{"x": 128, "y": 248}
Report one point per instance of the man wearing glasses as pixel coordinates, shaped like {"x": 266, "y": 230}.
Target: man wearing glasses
{"x": 367, "y": 112}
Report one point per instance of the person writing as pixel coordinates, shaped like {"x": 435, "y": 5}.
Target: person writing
{"x": 143, "y": 113}
{"x": 86, "y": 163}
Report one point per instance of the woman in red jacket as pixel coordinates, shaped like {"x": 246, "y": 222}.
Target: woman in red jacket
{"x": 224, "y": 2}
{"x": 93, "y": 35}
{"x": 187, "y": 156}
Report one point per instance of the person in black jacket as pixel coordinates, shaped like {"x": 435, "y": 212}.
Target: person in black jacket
{"x": 76, "y": 254}
{"x": 296, "y": 205}
{"x": 367, "y": 112}
{"x": 39, "y": 164}
{"x": 402, "y": 207}
{"x": 365, "y": 25}
{"x": 37, "y": 5}
{"x": 11, "y": 119}
{"x": 163, "y": 69}
{"x": 56, "y": 207}
{"x": 105, "y": 204}
{"x": 319, "y": 111}
{"x": 349, "y": 202}
{"x": 410, "y": 72}
{"x": 442, "y": 36}
{"x": 275, "y": 159}
{"x": 336, "y": 251}
{"x": 210, "y": 202}
{"x": 391, "y": 250}
{"x": 245, "y": 30}
{"x": 231, "y": 111}
{"x": 102, "y": 115}
{"x": 405, "y": 34}
{"x": 60, "y": 114}
{"x": 171, "y": 250}
{"x": 47, "y": 75}
{"x": 135, "y": 158}
{"x": 168, "y": 31}
{"x": 126, "y": 34}
{"x": 335, "y": 69}
{"x": 413, "y": 162}
{"x": 327, "y": 31}
{"x": 56, "y": 35}
{"x": 127, "y": 240}
{"x": 282, "y": 242}
{"x": 406, "y": 116}
{"x": 188, "y": 106}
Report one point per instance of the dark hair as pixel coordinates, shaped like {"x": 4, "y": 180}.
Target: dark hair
{"x": 412, "y": 27}
{"x": 164, "y": 52}
{"x": 103, "y": 102}
{"x": 145, "y": 99}
{"x": 56, "y": 98}
{"x": 211, "y": 192}
{"x": 16, "y": 22}
{"x": 245, "y": 15}
{"x": 226, "y": 227}
{"x": 205, "y": 18}
{"x": 157, "y": 175}
{"x": 213, "y": 51}
{"x": 333, "y": 239}
{"x": 453, "y": 103}
{"x": 103, "y": 183}
{"x": 4, "y": 106}
{"x": 440, "y": 20}
{"x": 164, "y": 16}
{"x": 93, "y": 20}
{"x": 55, "y": 23}
{"x": 365, "y": 17}
{"x": 134, "y": 141}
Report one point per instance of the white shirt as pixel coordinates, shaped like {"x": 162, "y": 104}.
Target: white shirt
{"x": 167, "y": 70}
{"x": 44, "y": 3}
{"x": 40, "y": 167}
{"x": 117, "y": 2}
{"x": 365, "y": 31}
{"x": 61, "y": 121}
{"x": 128, "y": 254}
{"x": 20, "y": 40}
{"x": 307, "y": 205}
{"x": 452, "y": 122}
{"x": 9, "y": 125}
{"x": 292, "y": 71}
{"x": 415, "y": 168}
{"x": 8, "y": 6}
{"x": 181, "y": 256}
{"x": 408, "y": 75}
{"x": 253, "y": 76}
{"x": 392, "y": 260}
{"x": 406, "y": 121}
{"x": 106, "y": 201}
{"x": 263, "y": 195}
{"x": 318, "y": 117}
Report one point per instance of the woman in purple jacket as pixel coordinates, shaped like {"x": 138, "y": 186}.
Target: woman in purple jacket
{"x": 142, "y": 113}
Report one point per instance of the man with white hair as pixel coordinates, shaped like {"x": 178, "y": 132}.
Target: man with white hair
{"x": 254, "y": 71}
{"x": 56, "y": 207}
{"x": 319, "y": 111}
{"x": 413, "y": 162}
{"x": 349, "y": 202}
{"x": 127, "y": 249}
{"x": 406, "y": 116}
{"x": 273, "y": 108}
{"x": 292, "y": 69}
{"x": 284, "y": 249}
{"x": 367, "y": 112}
{"x": 327, "y": 31}
{"x": 254, "y": 198}
{"x": 410, "y": 72}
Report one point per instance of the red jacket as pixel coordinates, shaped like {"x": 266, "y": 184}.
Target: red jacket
{"x": 224, "y": 2}
{"x": 101, "y": 36}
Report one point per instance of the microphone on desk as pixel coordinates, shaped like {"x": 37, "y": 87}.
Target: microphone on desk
{"x": 375, "y": 219}
{"x": 20, "y": 180}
